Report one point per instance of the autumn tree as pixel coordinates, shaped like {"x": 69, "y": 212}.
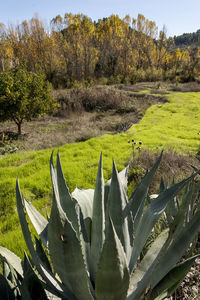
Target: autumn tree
{"x": 113, "y": 37}
{"x": 24, "y": 95}
{"x": 145, "y": 35}
{"x": 80, "y": 51}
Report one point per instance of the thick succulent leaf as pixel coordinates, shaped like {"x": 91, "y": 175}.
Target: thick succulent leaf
{"x": 68, "y": 206}
{"x": 85, "y": 242}
{"x": 12, "y": 259}
{"x": 148, "y": 259}
{"x": 172, "y": 210}
{"x": 41, "y": 253}
{"x": 117, "y": 201}
{"x": 61, "y": 192}
{"x": 98, "y": 221}
{"x": 137, "y": 200}
{"x": 163, "y": 186}
{"x": 150, "y": 217}
{"x": 6, "y": 292}
{"x": 181, "y": 217}
{"x": 176, "y": 249}
{"x": 56, "y": 287}
{"x": 195, "y": 187}
{"x": 39, "y": 222}
{"x": 13, "y": 277}
{"x": 123, "y": 177}
{"x": 31, "y": 285}
{"x": 173, "y": 277}
{"x": 85, "y": 201}
{"x": 6, "y": 269}
{"x": 67, "y": 254}
{"x": 112, "y": 278}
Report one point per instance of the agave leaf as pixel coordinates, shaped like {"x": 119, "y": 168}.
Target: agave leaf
{"x": 98, "y": 220}
{"x": 38, "y": 221}
{"x": 163, "y": 186}
{"x": 85, "y": 201}
{"x": 6, "y": 292}
{"x": 61, "y": 192}
{"x": 177, "y": 248}
{"x": 6, "y": 270}
{"x": 169, "y": 255}
{"x": 56, "y": 287}
{"x": 151, "y": 216}
{"x": 173, "y": 278}
{"x": 112, "y": 278}
{"x": 181, "y": 217}
{"x": 67, "y": 254}
{"x": 137, "y": 200}
{"x": 31, "y": 287}
{"x": 172, "y": 210}
{"x": 123, "y": 177}
{"x": 193, "y": 202}
{"x": 68, "y": 205}
{"x": 13, "y": 278}
{"x": 12, "y": 259}
{"x": 117, "y": 201}
{"x": 148, "y": 259}
{"x": 41, "y": 253}
{"x": 85, "y": 242}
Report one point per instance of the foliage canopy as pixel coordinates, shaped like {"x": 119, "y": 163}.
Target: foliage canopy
{"x": 24, "y": 95}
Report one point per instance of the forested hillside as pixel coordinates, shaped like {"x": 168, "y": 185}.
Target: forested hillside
{"x": 188, "y": 40}
{"x": 73, "y": 49}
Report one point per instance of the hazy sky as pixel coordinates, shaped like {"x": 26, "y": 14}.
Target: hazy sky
{"x": 178, "y": 16}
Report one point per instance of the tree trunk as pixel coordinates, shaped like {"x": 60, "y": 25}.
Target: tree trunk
{"x": 19, "y": 128}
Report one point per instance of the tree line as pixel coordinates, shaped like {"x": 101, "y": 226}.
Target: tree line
{"x": 73, "y": 49}
{"x": 188, "y": 39}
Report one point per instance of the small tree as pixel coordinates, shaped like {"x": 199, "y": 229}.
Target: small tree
{"x": 24, "y": 95}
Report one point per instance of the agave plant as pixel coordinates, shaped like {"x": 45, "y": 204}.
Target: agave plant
{"x": 96, "y": 239}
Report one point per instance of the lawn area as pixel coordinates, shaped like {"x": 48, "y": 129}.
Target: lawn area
{"x": 173, "y": 125}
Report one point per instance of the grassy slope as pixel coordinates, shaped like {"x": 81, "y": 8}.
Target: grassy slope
{"x": 172, "y": 125}
{"x": 175, "y": 125}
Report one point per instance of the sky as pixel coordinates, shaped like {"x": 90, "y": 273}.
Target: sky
{"x": 178, "y": 16}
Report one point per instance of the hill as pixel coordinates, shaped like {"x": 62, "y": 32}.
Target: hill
{"x": 188, "y": 40}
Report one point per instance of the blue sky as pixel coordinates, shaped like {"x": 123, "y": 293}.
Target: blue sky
{"x": 178, "y": 16}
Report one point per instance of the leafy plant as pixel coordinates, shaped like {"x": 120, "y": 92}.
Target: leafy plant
{"x": 24, "y": 95}
{"x": 95, "y": 238}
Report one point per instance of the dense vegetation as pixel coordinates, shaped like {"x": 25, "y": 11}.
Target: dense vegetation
{"x": 188, "y": 40}
{"x": 75, "y": 48}
{"x": 24, "y": 95}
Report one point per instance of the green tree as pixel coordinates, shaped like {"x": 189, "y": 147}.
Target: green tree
{"x": 24, "y": 95}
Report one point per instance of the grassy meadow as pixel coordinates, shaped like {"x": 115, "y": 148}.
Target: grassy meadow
{"x": 174, "y": 125}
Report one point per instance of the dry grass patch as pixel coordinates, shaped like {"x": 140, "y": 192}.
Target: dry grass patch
{"x": 84, "y": 113}
{"x": 173, "y": 165}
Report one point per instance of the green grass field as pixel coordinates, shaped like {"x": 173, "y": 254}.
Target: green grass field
{"x": 174, "y": 125}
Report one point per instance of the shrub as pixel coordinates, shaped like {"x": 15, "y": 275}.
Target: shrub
{"x": 24, "y": 95}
